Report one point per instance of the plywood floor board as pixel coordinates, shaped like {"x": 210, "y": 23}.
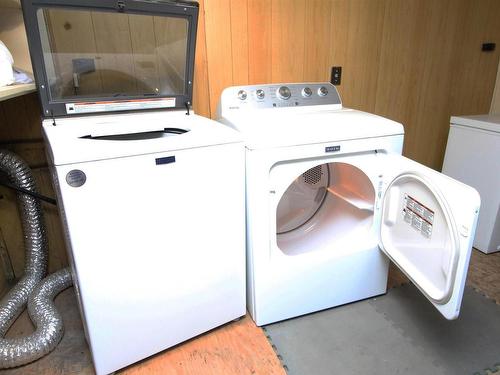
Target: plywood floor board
{"x": 237, "y": 348}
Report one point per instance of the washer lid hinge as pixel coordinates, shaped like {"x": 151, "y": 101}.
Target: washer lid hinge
{"x": 187, "y": 104}
{"x": 53, "y": 118}
{"x": 120, "y": 6}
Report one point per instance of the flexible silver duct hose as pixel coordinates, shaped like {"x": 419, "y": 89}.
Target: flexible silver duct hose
{"x": 35, "y": 242}
{"x": 47, "y": 320}
{"x": 49, "y": 329}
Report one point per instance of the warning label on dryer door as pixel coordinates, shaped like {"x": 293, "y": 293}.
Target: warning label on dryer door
{"x": 420, "y": 217}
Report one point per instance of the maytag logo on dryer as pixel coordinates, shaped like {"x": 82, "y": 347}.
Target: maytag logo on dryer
{"x": 332, "y": 149}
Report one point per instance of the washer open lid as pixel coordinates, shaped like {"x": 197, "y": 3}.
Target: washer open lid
{"x": 111, "y": 55}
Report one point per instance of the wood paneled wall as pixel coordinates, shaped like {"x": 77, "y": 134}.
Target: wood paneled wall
{"x": 13, "y": 35}
{"x": 495, "y": 102}
{"x": 414, "y": 61}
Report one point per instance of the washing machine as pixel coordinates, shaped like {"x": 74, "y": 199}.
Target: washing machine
{"x": 151, "y": 195}
{"x": 330, "y": 200}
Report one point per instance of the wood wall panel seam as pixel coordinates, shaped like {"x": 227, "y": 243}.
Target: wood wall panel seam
{"x": 219, "y": 49}
{"x": 201, "y": 82}
{"x": 318, "y": 29}
{"x": 259, "y": 41}
{"x": 239, "y": 41}
{"x": 287, "y": 40}
{"x": 495, "y": 101}
{"x": 337, "y": 47}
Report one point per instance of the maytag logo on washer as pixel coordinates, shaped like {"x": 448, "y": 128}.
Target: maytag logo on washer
{"x": 332, "y": 148}
{"x": 76, "y": 178}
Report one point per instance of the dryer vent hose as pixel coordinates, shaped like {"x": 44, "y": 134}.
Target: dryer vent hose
{"x": 19, "y": 351}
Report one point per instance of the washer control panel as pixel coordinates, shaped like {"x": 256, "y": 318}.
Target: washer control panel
{"x": 280, "y": 95}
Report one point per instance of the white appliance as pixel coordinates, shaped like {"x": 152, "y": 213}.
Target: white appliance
{"x": 473, "y": 157}
{"x": 330, "y": 200}
{"x": 152, "y": 201}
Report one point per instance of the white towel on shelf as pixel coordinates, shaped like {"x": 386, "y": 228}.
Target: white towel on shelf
{"x": 6, "y": 61}
{"x": 20, "y": 76}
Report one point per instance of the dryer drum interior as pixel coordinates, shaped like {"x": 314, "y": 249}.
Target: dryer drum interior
{"x": 325, "y": 208}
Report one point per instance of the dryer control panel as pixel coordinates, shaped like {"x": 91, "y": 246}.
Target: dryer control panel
{"x": 279, "y": 95}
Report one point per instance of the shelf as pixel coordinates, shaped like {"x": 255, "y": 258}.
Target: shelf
{"x": 351, "y": 197}
{"x": 11, "y": 91}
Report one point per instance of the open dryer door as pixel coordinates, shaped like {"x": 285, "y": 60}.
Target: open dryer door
{"x": 427, "y": 227}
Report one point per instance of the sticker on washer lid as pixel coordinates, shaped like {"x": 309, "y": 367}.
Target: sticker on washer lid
{"x": 119, "y": 105}
{"x": 420, "y": 217}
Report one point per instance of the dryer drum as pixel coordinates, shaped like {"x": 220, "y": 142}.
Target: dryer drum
{"x": 313, "y": 175}
{"x": 302, "y": 199}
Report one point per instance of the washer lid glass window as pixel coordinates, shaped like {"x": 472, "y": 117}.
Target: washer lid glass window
{"x": 100, "y": 56}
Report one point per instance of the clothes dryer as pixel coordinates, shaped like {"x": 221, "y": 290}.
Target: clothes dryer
{"x": 151, "y": 195}
{"x": 330, "y": 200}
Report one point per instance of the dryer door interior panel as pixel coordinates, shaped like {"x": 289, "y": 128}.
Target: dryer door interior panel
{"x": 427, "y": 228}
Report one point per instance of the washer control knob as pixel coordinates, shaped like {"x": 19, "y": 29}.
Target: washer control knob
{"x": 260, "y": 94}
{"x": 306, "y": 92}
{"x": 284, "y": 93}
{"x": 242, "y": 94}
{"x": 322, "y": 91}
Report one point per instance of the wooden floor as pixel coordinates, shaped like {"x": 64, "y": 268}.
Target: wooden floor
{"x": 236, "y": 348}
{"x": 484, "y": 274}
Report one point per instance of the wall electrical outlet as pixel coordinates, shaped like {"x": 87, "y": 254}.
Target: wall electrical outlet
{"x": 336, "y": 75}
{"x": 488, "y": 47}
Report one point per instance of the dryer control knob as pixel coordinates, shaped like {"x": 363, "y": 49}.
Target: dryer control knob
{"x": 284, "y": 93}
{"x": 242, "y": 94}
{"x": 322, "y": 91}
{"x": 260, "y": 94}
{"x": 306, "y": 92}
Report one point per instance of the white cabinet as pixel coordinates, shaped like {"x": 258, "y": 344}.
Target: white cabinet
{"x": 473, "y": 157}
